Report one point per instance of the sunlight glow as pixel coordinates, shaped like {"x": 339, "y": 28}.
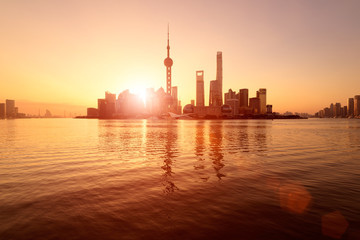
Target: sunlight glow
{"x": 140, "y": 92}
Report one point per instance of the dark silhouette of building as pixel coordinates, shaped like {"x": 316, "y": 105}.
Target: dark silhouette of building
{"x": 255, "y": 105}
{"x": 357, "y": 105}
{"x": 2, "y": 111}
{"x": 244, "y": 97}
{"x": 92, "y": 112}
{"x": 10, "y": 108}
{"x": 351, "y": 107}
{"x": 215, "y": 97}
{"x": 200, "y": 97}
{"x": 261, "y": 94}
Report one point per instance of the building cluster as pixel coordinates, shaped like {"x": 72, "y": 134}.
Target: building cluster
{"x": 127, "y": 105}
{"x": 162, "y": 102}
{"x": 234, "y": 104}
{"x": 337, "y": 111}
{"x": 8, "y": 110}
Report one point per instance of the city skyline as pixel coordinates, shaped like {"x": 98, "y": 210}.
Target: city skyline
{"x": 71, "y": 52}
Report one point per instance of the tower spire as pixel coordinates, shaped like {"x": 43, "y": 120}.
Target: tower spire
{"x": 168, "y": 63}
{"x": 168, "y": 43}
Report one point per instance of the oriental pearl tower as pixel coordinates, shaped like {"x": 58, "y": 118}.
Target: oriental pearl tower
{"x": 168, "y": 63}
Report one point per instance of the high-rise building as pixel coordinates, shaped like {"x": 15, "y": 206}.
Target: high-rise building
{"x": 351, "y": 107}
{"x": 219, "y": 75}
{"x": 174, "y": 94}
{"x": 230, "y": 95}
{"x": 337, "y": 111}
{"x": 254, "y": 104}
{"x": 261, "y": 94}
{"x": 357, "y": 105}
{"x": 244, "y": 97}
{"x": 215, "y": 97}
{"x": 168, "y": 64}
{"x": 102, "y": 108}
{"x": 10, "y": 108}
{"x": 110, "y": 99}
{"x": 2, "y": 111}
{"x": 200, "y": 96}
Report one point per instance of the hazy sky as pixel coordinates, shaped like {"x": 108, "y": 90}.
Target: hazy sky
{"x": 305, "y": 53}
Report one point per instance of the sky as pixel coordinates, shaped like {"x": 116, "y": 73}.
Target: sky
{"x": 63, "y": 55}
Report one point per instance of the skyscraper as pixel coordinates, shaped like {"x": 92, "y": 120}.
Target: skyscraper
{"x": 357, "y": 105}
{"x": 200, "y": 97}
{"x": 219, "y": 75}
{"x": 174, "y": 94}
{"x": 254, "y": 103}
{"x": 244, "y": 97}
{"x": 351, "y": 107}
{"x": 215, "y": 98}
{"x": 10, "y": 108}
{"x": 261, "y": 94}
{"x": 168, "y": 63}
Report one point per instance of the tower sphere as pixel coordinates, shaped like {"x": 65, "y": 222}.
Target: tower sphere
{"x": 168, "y": 62}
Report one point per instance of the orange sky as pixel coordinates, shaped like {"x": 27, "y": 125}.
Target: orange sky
{"x": 306, "y": 53}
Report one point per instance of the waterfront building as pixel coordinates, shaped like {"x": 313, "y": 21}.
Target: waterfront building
{"x": 244, "y": 97}
{"x": 233, "y": 103}
{"x": 110, "y": 99}
{"x": 268, "y": 109}
{"x": 102, "y": 108}
{"x": 345, "y": 111}
{"x": 254, "y": 104}
{"x": 332, "y": 106}
{"x": 200, "y": 93}
{"x": 230, "y": 95}
{"x": 92, "y": 112}
{"x": 10, "y": 108}
{"x": 2, "y": 111}
{"x": 326, "y": 112}
{"x": 261, "y": 94}
{"x": 351, "y": 107}
{"x": 337, "y": 110}
{"x": 357, "y": 105}
{"x": 174, "y": 94}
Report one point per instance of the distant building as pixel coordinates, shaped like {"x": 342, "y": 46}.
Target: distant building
{"x": 174, "y": 94}
{"x": 102, "y": 108}
{"x": 110, "y": 99}
{"x": 268, "y": 109}
{"x": 230, "y": 95}
{"x": 92, "y": 112}
{"x": 234, "y": 105}
{"x": 192, "y": 102}
{"x": 351, "y": 107}
{"x": 2, "y": 111}
{"x": 254, "y": 104}
{"x": 10, "y": 108}
{"x": 244, "y": 97}
{"x": 200, "y": 93}
{"x": 261, "y": 94}
{"x": 337, "y": 110}
{"x": 357, "y": 105}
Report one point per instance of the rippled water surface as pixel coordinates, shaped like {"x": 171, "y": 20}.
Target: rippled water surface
{"x": 141, "y": 179}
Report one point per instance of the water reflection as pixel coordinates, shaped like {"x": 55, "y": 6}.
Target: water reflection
{"x": 216, "y": 147}
{"x": 162, "y": 137}
{"x": 200, "y": 150}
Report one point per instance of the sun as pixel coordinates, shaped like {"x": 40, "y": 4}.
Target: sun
{"x": 140, "y": 92}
